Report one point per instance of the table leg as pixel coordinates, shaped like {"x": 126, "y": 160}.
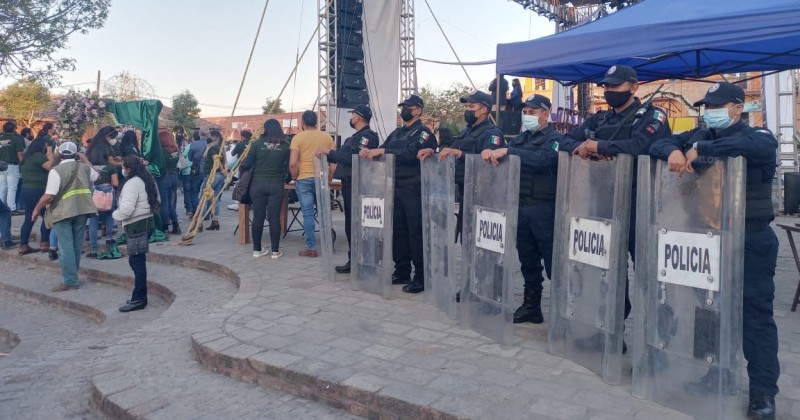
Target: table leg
{"x": 244, "y": 223}
{"x": 284, "y": 211}
{"x": 796, "y": 299}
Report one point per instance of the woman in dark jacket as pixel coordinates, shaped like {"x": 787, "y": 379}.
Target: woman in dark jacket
{"x": 34, "y": 169}
{"x": 269, "y": 160}
{"x": 102, "y": 156}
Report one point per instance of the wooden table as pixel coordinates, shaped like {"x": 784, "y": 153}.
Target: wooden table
{"x": 244, "y": 212}
{"x": 796, "y": 229}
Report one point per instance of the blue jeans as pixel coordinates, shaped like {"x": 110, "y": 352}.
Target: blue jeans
{"x": 216, "y": 185}
{"x": 53, "y": 238}
{"x": 70, "y": 234}
{"x": 167, "y": 188}
{"x": 307, "y": 197}
{"x": 28, "y": 198}
{"x": 138, "y": 264}
{"x": 5, "y": 222}
{"x": 94, "y": 226}
{"x": 196, "y": 181}
{"x": 9, "y": 181}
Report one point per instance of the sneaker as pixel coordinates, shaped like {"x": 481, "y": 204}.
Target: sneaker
{"x": 257, "y": 254}
{"x": 8, "y": 245}
{"x": 234, "y": 206}
{"x": 92, "y": 254}
{"x": 64, "y": 287}
{"x": 276, "y": 254}
{"x": 310, "y": 253}
{"x": 17, "y": 213}
{"x": 52, "y": 254}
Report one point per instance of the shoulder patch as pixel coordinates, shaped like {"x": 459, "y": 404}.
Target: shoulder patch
{"x": 364, "y": 141}
{"x": 555, "y": 146}
{"x": 495, "y": 140}
{"x": 423, "y": 137}
{"x": 660, "y": 116}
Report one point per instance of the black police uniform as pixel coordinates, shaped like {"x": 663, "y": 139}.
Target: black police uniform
{"x": 404, "y": 143}
{"x": 362, "y": 139}
{"x": 538, "y": 154}
{"x": 631, "y": 132}
{"x": 473, "y": 140}
{"x": 759, "y": 146}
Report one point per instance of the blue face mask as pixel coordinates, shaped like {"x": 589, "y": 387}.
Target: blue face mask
{"x": 717, "y": 118}
{"x": 530, "y": 123}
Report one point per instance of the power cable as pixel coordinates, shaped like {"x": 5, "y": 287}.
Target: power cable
{"x": 450, "y": 45}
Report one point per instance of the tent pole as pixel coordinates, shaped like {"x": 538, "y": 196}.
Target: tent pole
{"x": 497, "y": 98}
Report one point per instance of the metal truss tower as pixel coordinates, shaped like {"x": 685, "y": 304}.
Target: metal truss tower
{"x": 408, "y": 57}
{"x": 326, "y": 95}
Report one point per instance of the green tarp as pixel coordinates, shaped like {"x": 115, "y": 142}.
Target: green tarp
{"x": 144, "y": 116}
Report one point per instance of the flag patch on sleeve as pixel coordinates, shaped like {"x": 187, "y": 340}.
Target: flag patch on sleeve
{"x": 555, "y": 146}
{"x": 660, "y": 116}
{"x": 364, "y": 141}
{"x": 495, "y": 140}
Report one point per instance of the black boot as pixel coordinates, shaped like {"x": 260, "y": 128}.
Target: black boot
{"x": 176, "y": 230}
{"x": 416, "y": 286}
{"x": 133, "y": 305}
{"x": 531, "y": 309}
{"x": 398, "y": 278}
{"x": 761, "y": 407}
{"x": 343, "y": 269}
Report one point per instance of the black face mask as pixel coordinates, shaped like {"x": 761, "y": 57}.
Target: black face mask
{"x": 352, "y": 124}
{"x": 617, "y": 99}
{"x": 406, "y": 115}
{"x": 469, "y": 117}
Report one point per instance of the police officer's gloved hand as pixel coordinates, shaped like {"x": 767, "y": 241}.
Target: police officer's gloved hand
{"x": 702, "y": 134}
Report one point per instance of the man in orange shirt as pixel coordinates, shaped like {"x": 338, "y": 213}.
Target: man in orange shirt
{"x": 301, "y": 166}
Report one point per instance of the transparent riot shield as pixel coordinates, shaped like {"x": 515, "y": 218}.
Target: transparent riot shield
{"x": 438, "y": 233}
{"x": 489, "y": 255}
{"x": 689, "y": 279}
{"x": 372, "y": 209}
{"x": 590, "y": 255}
{"x": 323, "y": 191}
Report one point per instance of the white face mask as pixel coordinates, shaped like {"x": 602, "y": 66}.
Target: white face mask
{"x": 112, "y": 142}
{"x": 530, "y": 122}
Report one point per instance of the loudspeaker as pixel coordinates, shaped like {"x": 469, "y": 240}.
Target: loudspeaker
{"x": 351, "y": 81}
{"x": 350, "y": 52}
{"x": 349, "y": 98}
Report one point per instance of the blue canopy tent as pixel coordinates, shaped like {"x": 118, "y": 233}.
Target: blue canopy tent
{"x": 666, "y": 39}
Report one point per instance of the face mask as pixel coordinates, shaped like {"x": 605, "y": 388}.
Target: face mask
{"x": 617, "y": 99}
{"x": 112, "y": 142}
{"x": 717, "y": 118}
{"x": 530, "y": 122}
{"x": 352, "y": 124}
{"x": 124, "y": 173}
{"x": 469, "y": 117}
{"x": 406, "y": 115}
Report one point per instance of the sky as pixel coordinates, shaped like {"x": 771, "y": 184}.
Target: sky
{"x": 203, "y": 45}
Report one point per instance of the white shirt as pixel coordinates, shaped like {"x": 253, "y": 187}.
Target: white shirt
{"x": 54, "y": 179}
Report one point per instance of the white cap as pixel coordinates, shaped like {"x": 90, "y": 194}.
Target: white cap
{"x": 67, "y": 148}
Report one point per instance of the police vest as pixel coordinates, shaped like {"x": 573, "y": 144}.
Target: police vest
{"x": 466, "y": 143}
{"x": 397, "y": 143}
{"x": 76, "y": 198}
{"x": 535, "y": 187}
{"x": 758, "y": 192}
{"x": 620, "y": 130}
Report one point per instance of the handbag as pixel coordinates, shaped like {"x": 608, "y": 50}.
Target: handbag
{"x": 48, "y": 213}
{"x": 241, "y": 191}
{"x": 103, "y": 198}
{"x": 183, "y": 163}
{"x": 139, "y": 242}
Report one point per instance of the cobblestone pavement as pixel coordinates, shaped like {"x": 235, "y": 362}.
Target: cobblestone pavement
{"x": 287, "y": 328}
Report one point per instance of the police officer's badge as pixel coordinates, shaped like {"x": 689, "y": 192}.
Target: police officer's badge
{"x": 495, "y": 140}
{"x": 713, "y": 88}
{"x": 612, "y": 69}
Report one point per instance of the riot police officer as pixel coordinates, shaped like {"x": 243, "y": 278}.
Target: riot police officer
{"x": 628, "y": 127}
{"x": 726, "y": 135}
{"x": 537, "y": 148}
{"x": 404, "y": 143}
{"x": 481, "y": 134}
{"x": 363, "y": 138}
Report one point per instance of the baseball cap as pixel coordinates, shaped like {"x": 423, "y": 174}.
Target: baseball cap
{"x": 538, "y": 101}
{"x": 722, "y": 93}
{"x": 67, "y": 148}
{"x": 413, "y": 100}
{"x": 619, "y": 74}
{"x": 362, "y": 111}
{"x": 478, "y": 97}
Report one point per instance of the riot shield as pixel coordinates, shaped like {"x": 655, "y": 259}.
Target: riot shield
{"x": 590, "y": 255}
{"x": 323, "y": 191}
{"x": 438, "y": 233}
{"x": 689, "y": 279}
{"x": 489, "y": 255}
{"x": 372, "y": 210}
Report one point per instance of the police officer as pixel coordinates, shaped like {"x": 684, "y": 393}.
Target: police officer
{"x": 628, "y": 127}
{"x": 404, "y": 143}
{"x": 537, "y": 148}
{"x": 481, "y": 134}
{"x": 726, "y": 135}
{"x": 363, "y": 138}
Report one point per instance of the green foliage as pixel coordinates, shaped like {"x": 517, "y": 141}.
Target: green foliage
{"x": 185, "y": 110}
{"x": 445, "y": 104}
{"x": 273, "y": 106}
{"x": 24, "y": 99}
{"x": 33, "y": 31}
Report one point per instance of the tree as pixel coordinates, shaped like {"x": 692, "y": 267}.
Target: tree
{"x": 24, "y": 99}
{"x": 32, "y": 32}
{"x": 273, "y": 106}
{"x": 446, "y": 104}
{"x": 184, "y": 109}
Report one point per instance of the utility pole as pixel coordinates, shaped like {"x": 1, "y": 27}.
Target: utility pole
{"x": 98, "y": 82}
